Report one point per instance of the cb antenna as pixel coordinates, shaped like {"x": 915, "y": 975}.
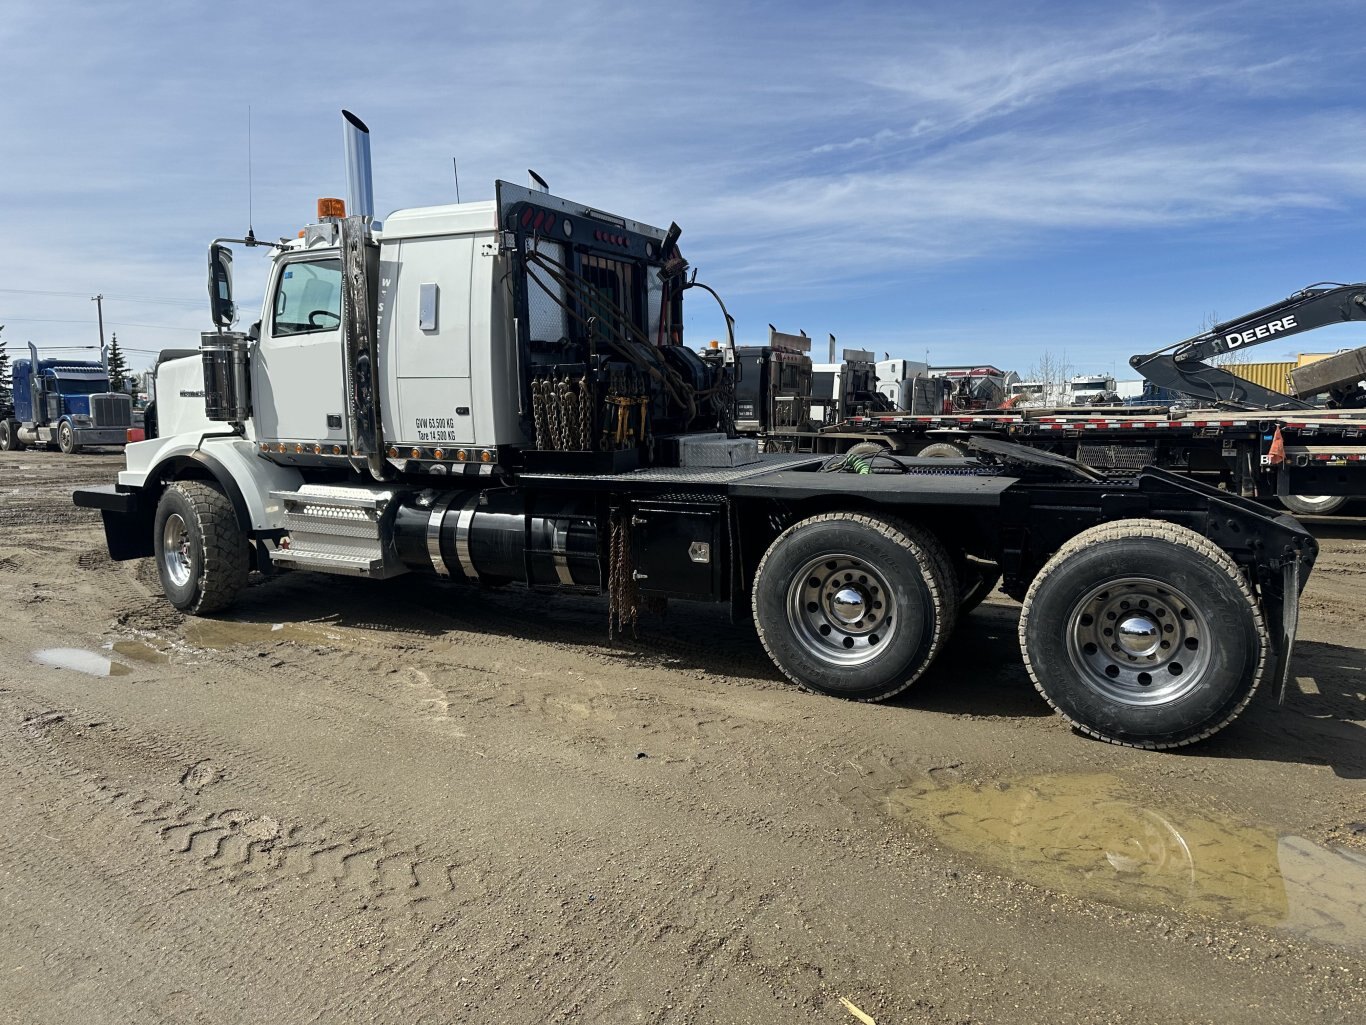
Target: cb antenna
{"x": 455, "y": 165}
{"x": 251, "y": 232}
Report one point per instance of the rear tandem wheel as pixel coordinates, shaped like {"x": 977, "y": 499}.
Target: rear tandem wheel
{"x": 1144, "y": 634}
{"x": 853, "y": 605}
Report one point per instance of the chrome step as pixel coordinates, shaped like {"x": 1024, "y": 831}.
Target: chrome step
{"x": 341, "y": 530}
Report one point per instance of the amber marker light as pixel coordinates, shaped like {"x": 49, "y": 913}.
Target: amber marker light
{"x": 393, "y": 453}
{"x": 461, "y": 455}
{"x": 331, "y": 208}
{"x": 438, "y": 454}
{"x": 486, "y": 456}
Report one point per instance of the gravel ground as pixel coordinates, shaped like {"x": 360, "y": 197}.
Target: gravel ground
{"x": 406, "y": 802}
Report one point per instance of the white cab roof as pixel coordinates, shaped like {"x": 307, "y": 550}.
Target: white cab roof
{"x": 453, "y": 219}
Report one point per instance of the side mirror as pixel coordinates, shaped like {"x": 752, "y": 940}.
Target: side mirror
{"x": 223, "y": 310}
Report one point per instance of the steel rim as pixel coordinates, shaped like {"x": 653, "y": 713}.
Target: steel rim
{"x": 841, "y": 609}
{"x": 1139, "y": 641}
{"x": 175, "y": 550}
{"x": 1317, "y": 501}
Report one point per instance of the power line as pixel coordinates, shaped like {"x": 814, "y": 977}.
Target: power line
{"x": 112, "y": 323}
{"x": 118, "y": 298}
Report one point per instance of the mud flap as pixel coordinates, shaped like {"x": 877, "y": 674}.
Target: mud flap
{"x": 1284, "y": 616}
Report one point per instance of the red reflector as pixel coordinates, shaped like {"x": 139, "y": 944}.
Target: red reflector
{"x": 526, "y": 216}
{"x": 540, "y": 220}
{"x": 549, "y": 222}
{"x": 136, "y": 434}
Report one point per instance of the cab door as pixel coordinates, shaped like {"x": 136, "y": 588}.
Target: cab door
{"x": 298, "y": 390}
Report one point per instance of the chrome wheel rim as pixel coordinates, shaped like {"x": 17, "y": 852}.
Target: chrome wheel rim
{"x": 175, "y": 550}
{"x": 841, "y": 609}
{"x": 1138, "y": 641}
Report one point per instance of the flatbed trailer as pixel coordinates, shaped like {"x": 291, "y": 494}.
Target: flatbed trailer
{"x": 1302, "y": 458}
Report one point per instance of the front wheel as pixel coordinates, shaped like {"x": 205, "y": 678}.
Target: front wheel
{"x": 1314, "y": 505}
{"x": 201, "y": 552}
{"x": 854, "y": 606}
{"x": 66, "y": 438}
{"x": 1145, "y": 634}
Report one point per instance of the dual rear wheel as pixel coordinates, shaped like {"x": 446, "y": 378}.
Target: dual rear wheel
{"x": 1138, "y": 632}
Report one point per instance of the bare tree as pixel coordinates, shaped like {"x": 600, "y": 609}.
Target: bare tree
{"x": 1053, "y": 374}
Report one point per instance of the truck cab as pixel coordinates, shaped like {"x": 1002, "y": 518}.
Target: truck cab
{"x": 1092, "y": 390}
{"x": 66, "y": 404}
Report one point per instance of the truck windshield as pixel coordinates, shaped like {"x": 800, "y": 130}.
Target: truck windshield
{"x": 81, "y": 386}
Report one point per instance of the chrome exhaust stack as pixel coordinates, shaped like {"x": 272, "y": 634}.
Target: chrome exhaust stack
{"x": 360, "y": 188}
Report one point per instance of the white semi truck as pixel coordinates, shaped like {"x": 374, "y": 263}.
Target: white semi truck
{"x": 499, "y": 392}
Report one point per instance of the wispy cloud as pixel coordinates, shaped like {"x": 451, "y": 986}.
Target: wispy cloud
{"x": 811, "y": 152}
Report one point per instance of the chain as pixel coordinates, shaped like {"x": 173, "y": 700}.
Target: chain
{"x": 539, "y": 414}
{"x": 622, "y": 601}
{"x": 585, "y": 415}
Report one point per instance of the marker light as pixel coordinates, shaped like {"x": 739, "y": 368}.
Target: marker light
{"x": 486, "y": 456}
{"x": 331, "y": 208}
{"x": 415, "y": 453}
{"x": 438, "y": 454}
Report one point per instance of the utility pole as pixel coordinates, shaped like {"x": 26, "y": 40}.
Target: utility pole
{"x": 98, "y": 300}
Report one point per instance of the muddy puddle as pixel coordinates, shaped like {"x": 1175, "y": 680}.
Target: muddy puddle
{"x": 79, "y": 660}
{"x": 1081, "y": 835}
{"x": 219, "y": 634}
{"x": 140, "y": 651}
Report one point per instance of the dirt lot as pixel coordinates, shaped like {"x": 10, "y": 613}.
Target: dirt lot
{"x": 402, "y": 802}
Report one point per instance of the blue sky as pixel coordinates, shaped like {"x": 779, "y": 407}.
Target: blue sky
{"x": 980, "y": 180}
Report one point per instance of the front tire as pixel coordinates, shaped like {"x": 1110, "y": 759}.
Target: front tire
{"x": 854, "y": 606}
{"x": 202, "y": 555}
{"x": 1314, "y": 505}
{"x": 1144, "y": 634}
{"x": 66, "y": 438}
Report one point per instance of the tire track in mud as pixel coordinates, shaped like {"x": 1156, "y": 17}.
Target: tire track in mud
{"x": 174, "y": 804}
{"x": 170, "y": 798}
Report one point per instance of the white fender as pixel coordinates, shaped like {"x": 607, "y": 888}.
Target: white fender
{"x": 222, "y": 454}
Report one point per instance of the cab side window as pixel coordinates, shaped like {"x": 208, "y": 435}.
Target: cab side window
{"x": 308, "y": 298}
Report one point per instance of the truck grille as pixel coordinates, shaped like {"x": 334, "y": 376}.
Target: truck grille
{"x": 112, "y": 410}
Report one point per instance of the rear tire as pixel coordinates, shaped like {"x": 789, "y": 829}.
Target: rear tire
{"x": 942, "y": 450}
{"x": 854, "y": 606}
{"x": 9, "y": 437}
{"x": 1314, "y": 505}
{"x": 976, "y": 580}
{"x": 202, "y": 554}
{"x": 1144, "y": 634}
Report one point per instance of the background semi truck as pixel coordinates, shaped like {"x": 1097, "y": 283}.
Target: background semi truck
{"x": 66, "y": 404}
{"x": 499, "y": 393}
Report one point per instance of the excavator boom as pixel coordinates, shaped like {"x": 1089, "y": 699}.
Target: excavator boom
{"x": 1181, "y": 367}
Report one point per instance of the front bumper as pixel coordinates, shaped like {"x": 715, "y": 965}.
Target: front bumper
{"x": 101, "y": 435}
